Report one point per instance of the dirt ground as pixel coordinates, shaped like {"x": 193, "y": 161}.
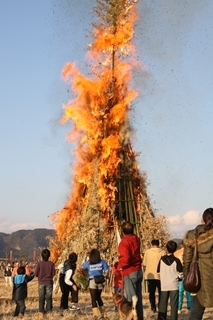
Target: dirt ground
{"x": 7, "y": 306}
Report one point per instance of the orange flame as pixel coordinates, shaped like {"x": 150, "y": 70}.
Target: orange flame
{"x": 99, "y": 115}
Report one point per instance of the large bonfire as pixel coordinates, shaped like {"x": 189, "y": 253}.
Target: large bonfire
{"x": 107, "y": 187}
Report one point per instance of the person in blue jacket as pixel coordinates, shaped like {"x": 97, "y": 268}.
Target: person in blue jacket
{"x": 20, "y": 291}
{"x": 96, "y": 267}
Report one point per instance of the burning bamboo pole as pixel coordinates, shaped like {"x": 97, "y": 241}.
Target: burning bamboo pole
{"x": 108, "y": 185}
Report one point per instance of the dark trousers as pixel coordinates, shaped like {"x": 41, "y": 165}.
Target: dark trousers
{"x": 45, "y": 292}
{"x": 152, "y": 286}
{"x": 96, "y": 297}
{"x": 65, "y": 290}
{"x": 20, "y": 308}
{"x": 197, "y": 310}
{"x": 165, "y": 296}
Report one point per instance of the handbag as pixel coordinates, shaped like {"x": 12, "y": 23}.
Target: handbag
{"x": 99, "y": 279}
{"x": 192, "y": 280}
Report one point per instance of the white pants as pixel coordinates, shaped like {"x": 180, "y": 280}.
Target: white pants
{"x": 8, "y": 280}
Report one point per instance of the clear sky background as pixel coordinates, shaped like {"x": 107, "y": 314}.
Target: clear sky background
{"x": 172, "y": 115}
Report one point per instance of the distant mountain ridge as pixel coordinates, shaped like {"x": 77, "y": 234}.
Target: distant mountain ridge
{"x": 24, "y": 244}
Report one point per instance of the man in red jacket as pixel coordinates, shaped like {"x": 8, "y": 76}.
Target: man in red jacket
{"x": 131, "y": 265}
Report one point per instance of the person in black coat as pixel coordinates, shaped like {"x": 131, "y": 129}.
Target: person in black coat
{"x": 20, "y": 291}
{"x": 67, "y": 283}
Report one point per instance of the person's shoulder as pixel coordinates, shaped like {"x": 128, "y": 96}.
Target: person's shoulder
{"x": 163, "y": 258}
{"x": 134, "y": 237}
{"x": 191, "y": 233}
{"x": 50, "y": 263}
{"x": 105, "y": 264}
{"x": 86, "y": 263}
{"x": 158, "y": 250}
{"x": 189, "y": 237}
{"x": 176, "y": 259}
{"x": 104, "y": 261}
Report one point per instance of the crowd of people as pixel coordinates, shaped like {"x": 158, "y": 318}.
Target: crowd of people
{"x": 172, "y": 265}
{"x": 163, "y": 270}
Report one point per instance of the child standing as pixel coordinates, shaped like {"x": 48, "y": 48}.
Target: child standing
{"x": 170, "y": 271}
{"x": 189, "y": 299}
{"x": 117, "y": 278}
{"x": 20, "y": 291}
{"x": 45, "y": 271}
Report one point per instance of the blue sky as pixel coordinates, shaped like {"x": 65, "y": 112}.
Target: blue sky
{"x": 172, "y": 115}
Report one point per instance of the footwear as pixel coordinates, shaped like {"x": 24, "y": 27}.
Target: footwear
{"x": 103, "y": 312}
{"x": 74, "y": 307}
{"x": 179, "y": 311}
{"x": 96, "y": 313}
{"x": 40, "y": 315}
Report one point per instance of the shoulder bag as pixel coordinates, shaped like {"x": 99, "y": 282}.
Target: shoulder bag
{"x": 192, "y": 280}
{"x": 99, "y": 279}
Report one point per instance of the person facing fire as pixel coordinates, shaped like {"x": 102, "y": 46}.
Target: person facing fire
{"x": 117, "y": 278}
{"x": 67, "y": 283}
{"x": 45, "y": 271}
{"x": 151, "y": 259}
{"x": 130, "y": 263}
{"x": 96, "y": 267}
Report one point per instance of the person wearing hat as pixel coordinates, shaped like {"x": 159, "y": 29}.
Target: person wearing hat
{"x": 67, "y": 283}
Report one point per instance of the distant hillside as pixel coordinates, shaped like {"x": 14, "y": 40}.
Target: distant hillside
{"x": 23, "y": 243}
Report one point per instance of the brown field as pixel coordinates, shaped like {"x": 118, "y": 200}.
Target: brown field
{"x": 7, "y": 306}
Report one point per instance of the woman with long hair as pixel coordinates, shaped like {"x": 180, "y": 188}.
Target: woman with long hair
{"x": 204, "y": 297}
{"x": 96, "y": 267}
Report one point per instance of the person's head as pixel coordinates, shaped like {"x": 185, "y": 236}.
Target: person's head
{"x": 94, "y": 256}
{"x": 127, "y": 228}
{"x": 45, "y": 254}
{"x": 208, "y": 217}
{"x": 21, "y": 270}
{"x": 155, "y": 243}
{"x": 171, "y": 246}
{"x": 73, "y": 257}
